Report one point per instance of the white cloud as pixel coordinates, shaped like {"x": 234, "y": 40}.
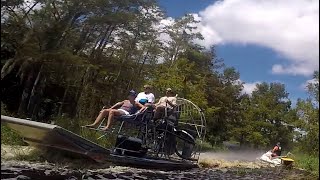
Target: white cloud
{"x": 161, "y": 27}
{"x": 249, "y": 87}
{"x": 30, "y": 3}
{"x": 289, "y": 27}
{"x": 304, "y": 85}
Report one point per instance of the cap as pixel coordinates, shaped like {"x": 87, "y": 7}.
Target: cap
{"x": 147, "y": 86}
{"x": 132, "y": 93}
{"x": 169, "y": 89}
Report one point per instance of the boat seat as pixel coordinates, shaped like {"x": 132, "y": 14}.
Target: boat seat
{"x": 137, "y": 118}
{"x": 132, "y": 118}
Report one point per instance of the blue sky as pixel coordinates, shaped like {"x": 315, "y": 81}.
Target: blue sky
{"x": 281, "y": 48}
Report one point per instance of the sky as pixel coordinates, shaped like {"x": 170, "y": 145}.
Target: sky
{"x": 265, "y": 40}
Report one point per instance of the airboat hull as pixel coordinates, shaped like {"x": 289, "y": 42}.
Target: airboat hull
{"x": 151, "y": 163}
{"x": 42, "y": 135}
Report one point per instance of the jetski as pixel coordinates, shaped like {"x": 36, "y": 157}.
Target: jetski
{"x": 278, "y": 160}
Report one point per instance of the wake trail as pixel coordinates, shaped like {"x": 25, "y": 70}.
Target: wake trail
{"x": 240, "y": 155}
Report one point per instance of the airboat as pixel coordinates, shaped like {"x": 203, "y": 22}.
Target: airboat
{"x": 171, "y": 142}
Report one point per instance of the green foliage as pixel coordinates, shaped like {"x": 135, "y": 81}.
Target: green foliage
{"x": 307, "y": 162}
{"x": 308, "y": 119}
{"x": 10, "y": 137}
{"x": 206, "y": 146}
{"x": 257, "y": 139}
{"x": 74, "y": 125}
{"x": 70, "y": 124}
{"x": 4, "y": 110}
{"x": 33, "y": 155}
{"x": 313, "y": 88}
{"x": 265, "y": 117}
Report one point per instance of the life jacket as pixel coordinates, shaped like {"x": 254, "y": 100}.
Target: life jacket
{"x": 278, "y": 150}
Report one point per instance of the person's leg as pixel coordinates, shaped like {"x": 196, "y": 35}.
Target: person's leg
{"x": 148, "y": 104}
{"x": 158, "y": 112}
{"x": 103, "y": 113}
{"x": 113, "y": 113}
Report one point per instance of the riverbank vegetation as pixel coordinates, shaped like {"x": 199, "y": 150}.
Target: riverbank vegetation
{"x": 63, "y": 60}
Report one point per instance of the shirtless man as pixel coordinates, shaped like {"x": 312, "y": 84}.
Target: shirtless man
{"x": 168, "y": 101}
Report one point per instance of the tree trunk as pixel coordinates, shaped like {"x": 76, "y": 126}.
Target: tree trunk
{"x": 85, "y": 94}
{"x": 143, "y": 63}
{"x": 99, "y": 43}
{"x": 83, "y": 40}
{"x": 125, "y": 59}
{"x": 104, "y": 43}
{"x": 63, "y": 100}
{"x": 67, "y": 28}
{"x": 26, "y": 94}
{"x": 35, "y": 96}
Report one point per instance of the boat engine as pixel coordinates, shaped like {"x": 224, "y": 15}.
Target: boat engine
{"x": 130, "y": 146}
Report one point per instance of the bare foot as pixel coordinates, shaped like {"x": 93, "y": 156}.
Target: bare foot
{"x": 90, "y": 126}
{"x": 105, "y": 129}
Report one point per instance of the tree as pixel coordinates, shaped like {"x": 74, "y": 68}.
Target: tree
{"x": 181, "y": 33}
{"x": 75, "y": 34}
{"x": 308, "y": 118}
{"x": 264, "y": 119}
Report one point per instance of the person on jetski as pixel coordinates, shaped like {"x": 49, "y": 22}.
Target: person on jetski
{"x": 276, "y": 151}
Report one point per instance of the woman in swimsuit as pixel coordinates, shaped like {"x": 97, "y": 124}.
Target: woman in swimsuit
{"x": 126, "y": 107}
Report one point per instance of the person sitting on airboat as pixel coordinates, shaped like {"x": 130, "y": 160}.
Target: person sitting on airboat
{"x": 146, "y": 97}
{"x": 126, "y": 107}
{"x": 167, "y": 102}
